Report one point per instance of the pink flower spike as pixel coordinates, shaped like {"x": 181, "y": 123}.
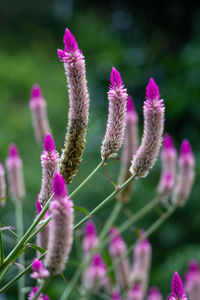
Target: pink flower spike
{"x": 177, "y": 288}
{"x": 59, "y": 187}
{"x": 49, "y": 145}
{"x": 13, "y": 151}
{"x": 36, "y": 265}
{"x": 154, "y": 294}
{"x": 116, "y": 296}
{"x": 39, "y": 272}
{"x": 115, "y": 79}
{"x": 69, "y": 41}
{"x": 90, "y": 239}
{"x": 168, "y": 142}
{"x": 130, "y": 104}
{"x": 136, "y": 293}
{"x": 185, "y": 147}
{"x": 36, "y": 91}
{"x": 41, "y": 296}
{"x": 152, "y": 90}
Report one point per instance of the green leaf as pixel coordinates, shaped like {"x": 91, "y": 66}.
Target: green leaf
{"x": 82, "y": 209}
{"x": 37, "y": 248}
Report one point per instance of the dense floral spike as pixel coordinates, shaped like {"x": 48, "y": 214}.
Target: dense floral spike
{"x": 141, "y": 262}
{"x": 177, "y": 288}
{"x": 2, "y": 185}
{"x": 154, "y": 294}
{"x": 129, "y": 149}
{"x": 61, "y": 228}
{"x": 39, "y": 114}
{"x": 96, "y": 275}
{"x": 49, "y": 161}
{"x": 41, "y": 296}
{"x": 74, "y": 65}
{"x": 192, "y": 281}
{"x": 117, "y": 248}
{"x": 39, "y": 272}
{"x": 116, "y": 296}
{"x": 153, "y": 111}
{"x": 15, "y": 173}
{"x": 43, "y": 236}
{"x": 136, "y": 293}
{"x": 168, "y": 157}
{"x": 185, "y": 176}
{"x": 116, "y": 123}
{"x": 90, "y": 240}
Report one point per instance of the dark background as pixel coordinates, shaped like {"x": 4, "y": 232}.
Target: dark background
{"x": 141, "y": 39}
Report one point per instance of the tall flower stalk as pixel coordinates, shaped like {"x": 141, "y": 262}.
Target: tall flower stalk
{"x": 49, "y": 161}
{"x": 37, "y": 106}
{"x": 129, "y": 149}
{"x": 116, "y": 123}
{"x": 74, "y": 65}
{"x": 153, "y": 111}
{"x": 61, "y": 228}
{"x": 17, "y": 193}
{"x": 2, "y": 185}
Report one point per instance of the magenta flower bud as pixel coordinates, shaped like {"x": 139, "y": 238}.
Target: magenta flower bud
{"x": 168, "y": 157}
{"x": 39, "y": 114}
{"x": 154, "y": 294}
{"x": 74, "y": 65}
{"x": 185, "y": 176}
{"x": 116, "y": 123}
{"x": 117, "y": 248}
{"x": 61, "y": 228}
{"x": 2, "y": 185}
{"x": 41, "y": 296}
{"x": 90, "y": 240}
{"x": 43, "y": 236}
{"x": 95, "y": 275}
{"x": 141, "y": 262}
{"x": 116, "y": 296}
{"x": 15, "y": 173}
{"x": 192, "y": 281}
{"x": 129, "y": 149}
{"x": 39, "y": 272}
{"x": 136, "y": 293}
{"x": 49, "y": 161}
{"x": 153, "y": 111}
{"x": 177, "y": 288}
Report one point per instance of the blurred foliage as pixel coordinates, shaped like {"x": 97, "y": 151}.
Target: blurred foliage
{"x": 141, "y": 39}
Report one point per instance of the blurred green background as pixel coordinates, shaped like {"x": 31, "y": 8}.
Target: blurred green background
{"x": 141, "y": 39}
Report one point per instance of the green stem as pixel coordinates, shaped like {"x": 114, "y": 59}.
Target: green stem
{"x": 21, "y": 259}
{"x": 1, "y": 249}
{"x": 111, "y": 220}
{"x": 20, "y": 244}
{"x": 104, "y": 202}
{"x": 42, "y": 287}
{"x": 3, "y": 289}
{"x": 33, "y": 235}
{"x": 87, "y": 179}
{"x": 67, "y": 292}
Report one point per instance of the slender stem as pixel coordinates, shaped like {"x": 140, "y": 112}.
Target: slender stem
{"x": 42, "y": 288}
{"x": 87, "y": 179}
{"x": 23, "y": 240}
{"x": 3, "y": 273}
{"x": 33, "y": 235}
{"x": 111, "y": 220}
{"x": 21, "y": 259}
{"x": 3, "y": 289}
{"x": 104, "y": 202}
{"x": 67, "y": 292}
{"x": 1, "y": 248}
